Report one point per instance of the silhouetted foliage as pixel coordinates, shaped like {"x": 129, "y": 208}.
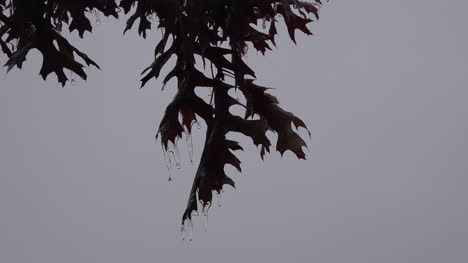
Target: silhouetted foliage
{"x": 217, "y": 31}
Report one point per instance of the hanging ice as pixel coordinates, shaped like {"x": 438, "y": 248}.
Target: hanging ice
{"x": 186, "y": 231}
{"x": 176, "y": 156}
{"x": 205, "y": 208}
{"x": 173, "y": 153}
{"x": 189, "y": 141}
{"x": 72, "y": 78}
{"x": 167, "y": 161}
{"x": 218, "y": 198}
{"x": 205, "y": 216}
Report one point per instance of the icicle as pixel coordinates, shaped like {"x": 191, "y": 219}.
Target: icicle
{"x": 167, "y": 161}
{"x": 205, "y": 208}
{"x": 218, "y": 199}
{"x": 189, "y": 141}
{"x": 173, "y": 153}
{"x": 205, "y": 216}
{"x": 72, "y": 78}
{"x": 186, "y": 231}
{"x": 177, "y": 156}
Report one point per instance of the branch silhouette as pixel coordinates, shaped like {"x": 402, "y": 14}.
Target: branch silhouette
{"x": 217, "y": 31}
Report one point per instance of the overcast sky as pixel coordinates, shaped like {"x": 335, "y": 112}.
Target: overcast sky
{"x": 382, "y": 86}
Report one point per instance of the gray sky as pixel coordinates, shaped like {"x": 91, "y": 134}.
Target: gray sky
{"x": 382, "y": 86}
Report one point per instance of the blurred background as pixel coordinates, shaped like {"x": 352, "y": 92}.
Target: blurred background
{"x": 382, "y": 86}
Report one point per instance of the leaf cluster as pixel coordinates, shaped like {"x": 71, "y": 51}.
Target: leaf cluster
{"x": 216, "y": 31}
